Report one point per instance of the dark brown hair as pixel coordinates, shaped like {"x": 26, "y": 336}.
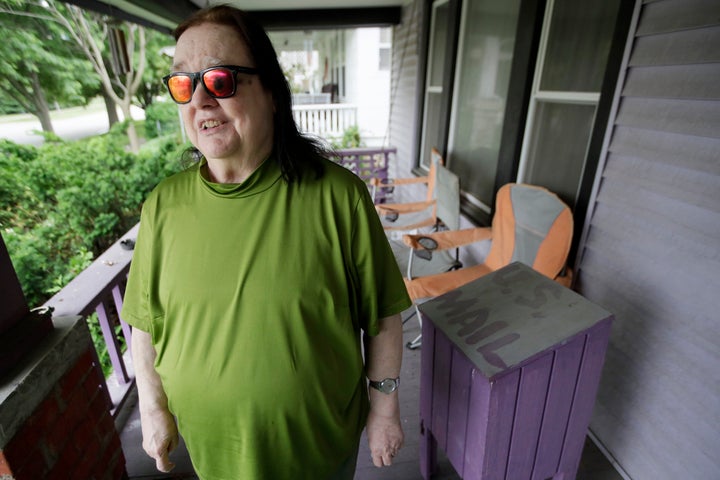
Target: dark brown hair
{"x": 295, "y": 152}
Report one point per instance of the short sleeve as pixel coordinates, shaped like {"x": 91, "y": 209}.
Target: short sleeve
{"x": 136, "y": 307}
{"x": 383, "y": 292}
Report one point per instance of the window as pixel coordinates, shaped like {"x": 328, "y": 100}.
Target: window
{"x": 437, "y": 82}
{"x": 574, "y": 49}
{"x": 513, "y": 92}
{"x": 487, "y": 40}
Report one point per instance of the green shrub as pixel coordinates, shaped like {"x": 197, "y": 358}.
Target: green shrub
{"x": 350, "y": 139}
{"x": 161, "y": 118}
{"x": 64, "y": 204}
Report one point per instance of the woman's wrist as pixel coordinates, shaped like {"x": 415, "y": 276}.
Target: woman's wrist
{"x": 383, "y": 404}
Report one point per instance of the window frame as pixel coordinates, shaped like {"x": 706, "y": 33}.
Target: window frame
{"x": 448, "y": 69}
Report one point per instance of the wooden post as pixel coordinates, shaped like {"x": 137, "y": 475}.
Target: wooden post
{"x": 20, "y": 329}
{"x": 11, "y": 295}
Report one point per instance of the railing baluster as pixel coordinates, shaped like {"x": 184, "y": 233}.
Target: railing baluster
{"x": 118, "y": 293}
{"x": 330, "y": 119}
{"x": 112, "y": 343}
{"x": 368, "y": 163}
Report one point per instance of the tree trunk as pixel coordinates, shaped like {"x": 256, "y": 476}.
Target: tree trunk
{"x": 41, "y": 105}
{"x": 131, "y": 131}
{"x": 133, "y": 137}
{"x": 111, "y": 109}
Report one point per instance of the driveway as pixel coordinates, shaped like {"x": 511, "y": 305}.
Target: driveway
{"x": 80, "y": 124}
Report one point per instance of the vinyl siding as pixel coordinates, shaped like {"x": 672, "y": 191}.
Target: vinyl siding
{"x": 403, "y": 93}
{"x": 650, "y": 250}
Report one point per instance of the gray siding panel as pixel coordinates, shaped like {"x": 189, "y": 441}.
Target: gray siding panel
{"x": 651, "y": 249}
{"x": 674, "y": 15}
{"x": 692, "y": 152}
{"x": 679, "y": 48}
{"x": 683, "y": 81}
{"x": 653, "y": 189}
{"x": 688, "y": 117}
{"x": 403, "y": 106}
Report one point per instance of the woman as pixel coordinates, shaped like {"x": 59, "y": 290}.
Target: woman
{"x": 254, "y": 275}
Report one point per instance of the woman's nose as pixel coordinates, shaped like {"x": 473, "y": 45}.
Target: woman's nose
{"x": 201, "y": 97}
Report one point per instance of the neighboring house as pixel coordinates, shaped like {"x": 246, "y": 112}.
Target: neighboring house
{"x": 351, "y": 65}
{"x": 624, "y": 123}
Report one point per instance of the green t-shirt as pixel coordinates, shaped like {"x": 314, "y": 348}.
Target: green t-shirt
{"x": 255, "y": 296}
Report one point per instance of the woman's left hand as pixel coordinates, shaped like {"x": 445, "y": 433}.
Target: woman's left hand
{"x": 385, "y": 436}
{"x": 384, "y": 356}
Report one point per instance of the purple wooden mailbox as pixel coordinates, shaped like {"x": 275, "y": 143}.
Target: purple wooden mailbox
{"x": 510, "y": 368}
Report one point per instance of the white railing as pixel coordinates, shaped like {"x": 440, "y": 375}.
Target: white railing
{"x": 310, "y": 98}
{"x": 325, "y": 120}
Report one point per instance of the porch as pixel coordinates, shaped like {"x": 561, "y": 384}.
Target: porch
{"x": 593, "y": 465}
{"x": 100, "y": 288}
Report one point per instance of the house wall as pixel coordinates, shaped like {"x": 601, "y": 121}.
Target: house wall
{"x": 650, "y": 251}
{"x": 368, "y": 87}
{"x": 404, "y": 84}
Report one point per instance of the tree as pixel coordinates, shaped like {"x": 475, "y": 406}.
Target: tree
{"x": 158, "y": 65}
{"x": 40, "y": 66}
{"x": 122, "y": 80}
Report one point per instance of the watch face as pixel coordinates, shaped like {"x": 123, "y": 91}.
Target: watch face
{"x": 388, "y": 385}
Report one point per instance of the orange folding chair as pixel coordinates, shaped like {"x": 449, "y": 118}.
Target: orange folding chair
{"x": 410, "y": 216}
{"x": 531, "y": 225}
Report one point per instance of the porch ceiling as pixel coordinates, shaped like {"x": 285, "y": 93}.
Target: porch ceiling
{"x": 273, "y": 14}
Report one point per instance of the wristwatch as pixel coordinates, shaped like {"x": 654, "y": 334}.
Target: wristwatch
{"x": 386, "y": 386}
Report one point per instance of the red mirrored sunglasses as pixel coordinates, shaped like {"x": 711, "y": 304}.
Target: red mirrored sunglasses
{"x": 219, "y": 82}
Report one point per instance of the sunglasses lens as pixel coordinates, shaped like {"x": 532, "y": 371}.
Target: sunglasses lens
{"x": 180, "y": 87}
{"x": 220, "y": 82}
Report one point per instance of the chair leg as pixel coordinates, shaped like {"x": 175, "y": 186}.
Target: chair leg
{"x": 418, "y": 340}
{"x": 415, "y": 343}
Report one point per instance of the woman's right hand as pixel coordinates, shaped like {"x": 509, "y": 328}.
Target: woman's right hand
{"x": 160, "y": 437}
{"x": 159, "y": 430}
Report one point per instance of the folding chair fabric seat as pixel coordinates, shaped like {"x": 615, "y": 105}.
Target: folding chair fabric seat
{"x": 531, "y": 225}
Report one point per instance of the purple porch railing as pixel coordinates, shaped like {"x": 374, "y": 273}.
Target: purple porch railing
{"x": 368, "y": 163}
{"x": 100, "y": 287}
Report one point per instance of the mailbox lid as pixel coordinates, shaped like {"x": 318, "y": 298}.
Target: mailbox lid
{"x": 509, "y": 316}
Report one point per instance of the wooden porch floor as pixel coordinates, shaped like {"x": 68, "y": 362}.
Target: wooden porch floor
{"x": 594, "y": 466}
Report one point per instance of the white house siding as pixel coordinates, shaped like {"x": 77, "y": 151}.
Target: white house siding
{"x": 651, "y": 248}
{"x": 368, "y": 87}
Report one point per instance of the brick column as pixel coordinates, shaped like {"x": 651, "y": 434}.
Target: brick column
{"x": 55, "y": 413}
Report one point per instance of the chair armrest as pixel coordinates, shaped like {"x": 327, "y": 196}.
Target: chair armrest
{"x": 391, "y": 182}
{"x": 449, "y": 238}
{"x": 565, "y": 277}
{"x": 389, "y": 208}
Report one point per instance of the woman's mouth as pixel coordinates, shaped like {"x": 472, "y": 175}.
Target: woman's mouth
{"x": 208, "y": 124}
